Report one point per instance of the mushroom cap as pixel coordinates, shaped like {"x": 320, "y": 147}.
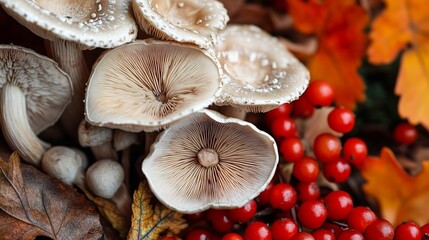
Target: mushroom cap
{"x": 90, "y": 135}
{"x": 104, "y": 178}
{"x": 260, "y": 72}
{"x": 47, "y": 88}
{"x": 191, "y": 21}
{"x": 239, "y": 163}
{"x": 96, "y": 23}
{"x": 149, "y": 84}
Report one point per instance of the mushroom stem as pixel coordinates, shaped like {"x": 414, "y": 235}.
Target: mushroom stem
{"x": 230, "y": 111}
{"x": 123, "y": 201}
{"x": 70, "y": 58}
{"x": 104, "y": 151}
{"x": 208, "y": 157}
{"x": 125, "y": 162}
{"x": 149, "y": 140}
{"x": 16, "y": 128}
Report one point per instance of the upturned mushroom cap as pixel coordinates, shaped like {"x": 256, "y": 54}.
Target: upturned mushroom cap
{"x": 209, "y": 161}
{"x": 95, "y": 23}
{"x": 261, "y": 72}
{"x": 104, "y": 178}
{"x": 191, "y": 21}
{"x": 149, "y": 84}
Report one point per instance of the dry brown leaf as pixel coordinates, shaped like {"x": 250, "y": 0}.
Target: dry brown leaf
{"x": 149, "y": 221}
{"x": 34, "y": 204}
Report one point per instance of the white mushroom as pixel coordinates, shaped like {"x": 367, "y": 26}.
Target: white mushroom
{"x": 209, "y": 161}
{"x": 71, "y": 26}
{"x": 261, "y": 73}
{"x": 146, "y": 85}
{"x": 34, "y": 93}
{"x": 99, "y": 139}
{"x": 190, "y": 21}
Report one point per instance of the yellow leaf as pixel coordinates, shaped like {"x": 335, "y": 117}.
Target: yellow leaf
{"x": 148, "y": 221}
{"x": 402, "y": 197}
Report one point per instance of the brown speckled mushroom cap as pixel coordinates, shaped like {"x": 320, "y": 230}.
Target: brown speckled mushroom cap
{"x": 191, "y": 21}
{"x": 261, "y": 72}
{"x": 90, "y": 23}
{"x": 146, "y": 85}
{"x": 209, "y": 161}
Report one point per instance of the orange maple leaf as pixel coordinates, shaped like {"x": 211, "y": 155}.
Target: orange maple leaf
{"x": 339, "y": 27}
{"x": 404, "y": 24}
{"x": 402, "y": 197}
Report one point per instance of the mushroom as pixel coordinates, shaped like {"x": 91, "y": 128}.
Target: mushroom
{"x": 261, "y": 73}
{"x": 190, "y": 21}
{"x": 99, "y": 139}
{"x": 71, "y": 26}
{"x": 65, "y": 164}
{"x": 105, "y": 179}
{"x": 209, "y": 161}
{"x": 146, "y": 85}
{"x": 34, "y": 93}
{"x": 122, "y": 140}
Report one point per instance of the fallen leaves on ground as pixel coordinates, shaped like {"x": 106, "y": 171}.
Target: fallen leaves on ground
{"x": 404, "y": 25}
{"x": 401, "y": 197}
{"x": 33, "y": 204}
{"x": 339, "y": 26}
{"x": 150, "y": 221}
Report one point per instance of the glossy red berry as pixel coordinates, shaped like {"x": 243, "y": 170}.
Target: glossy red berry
{"x": 302, "y": 236}
{"x": 308, "y": 191}
{"x": 302, "y": 108}
{"x": 257, "y": 231}
{"x": 319, "y": 93}
{"x": 355, "y": 151}
{"x": 292, "y": 149}
{"x": 264, "y": 196}
{"x": 283, "y": 229}
{"x": 338, "y": 171}
{"x": 306, "y": 170}
{"x": 339, "y": 204}
{"x": 168, "y": 238}
{"x": 312, "y": 214}
{"x": 283, "y": 127}
{"x": 283, "y": 110}
{"x": 341, "y": 120}
{"x": 405, "y": 133}
{"x": 333, "y": 228}
{"x": 409, "y": 231}
{"x": 323, "y": 234}
{"x": 232, "y": 236}
{"x": 198, "y": 234}
{"x": 350, "y": 235}
{"x": 283, "y": 196}
{"x": 244, "y": 213}
{"x": 379, "y": 230}
{"x": 219, "y": 219}
{"x": 425, "y": 231}
{"x": 360, "y": 217}
{"x": 195, "y": 216}
{"x": 327, "y": 148}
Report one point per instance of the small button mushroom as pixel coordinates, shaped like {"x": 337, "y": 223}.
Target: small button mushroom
{"x": 99, "y": 139}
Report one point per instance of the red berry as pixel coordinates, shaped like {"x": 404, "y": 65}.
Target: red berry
{"x": 283, "y": 127}
{"x": 405, "y": 133}
{"x": 341, "y": 120}
{"x": 323, "y": 234}
{"x": 339, "y": 204}
{"x": 337, "y": 171}
{"x": 302, "y": 236}
{"x": 198, "y": 234}
{"x": 379, "y": 230}
{"x": 283, "y": 196}
{"x": 355, "y": 151}
{"x": 350, "y": 235}
{"x": 292, "y": 149}
{"x": 327, "y": 148}
{"x": 264, "y": 196}
{"x": 257, "y": 231}
{"x": 302, "y": 108}
{"x": 312, "y": 214}
{"x": 425, "y": 231}
{"x": 195, "y": 216}
{"x": 232, "y": 236}
{"x": 360, "y": 217}
{"x": 308, "y": 191}
{"x": 333, "y": 228}
{"x": 409, "y": 231}
{"x": 306, "y": 170}
{"x": 320, "y": 93}
{"x": 283, "y": 229}
{"x": 168, "y": 238}
{"x": 219, "y": 220}
{"x": 283, "y": 110}
{"x": 244, "y": 213}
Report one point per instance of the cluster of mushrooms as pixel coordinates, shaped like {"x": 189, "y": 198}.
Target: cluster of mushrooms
{"x": 157, "y": 87}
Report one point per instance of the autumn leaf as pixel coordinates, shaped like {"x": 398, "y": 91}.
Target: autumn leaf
{"x": 339, "y": 26}
{"x": 401, "y": 197}
{"x": 149, "y": 221}
{"x": 34, "y": 204}
{"x": 404, "y": 25}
